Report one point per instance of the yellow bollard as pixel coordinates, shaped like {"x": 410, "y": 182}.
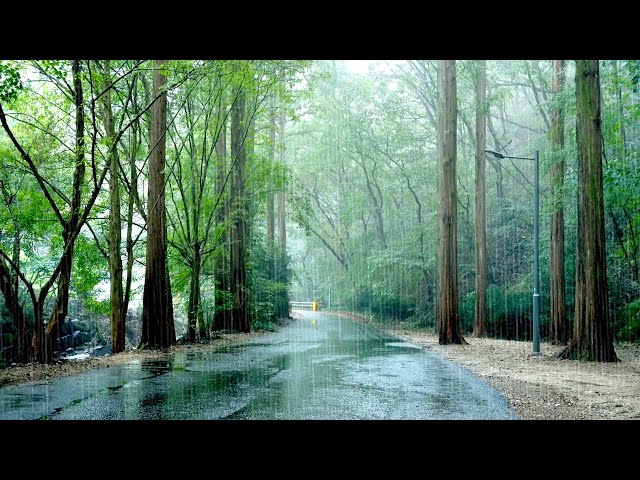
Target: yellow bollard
{"x": 314, "y": 306}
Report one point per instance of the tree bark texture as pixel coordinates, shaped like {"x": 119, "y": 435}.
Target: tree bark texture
{"x": 559, "y": 332}
{"x": 480, "y": 317}
{"x": 240, "y": 312}
{"x": 448, "y": 312}
{"x": 157, "y": 309}
{"x": 115, "y": 229}
{"x": 592, "y": 332}
{"x": 282, "y": 308}
{"x": 61, "y": 308}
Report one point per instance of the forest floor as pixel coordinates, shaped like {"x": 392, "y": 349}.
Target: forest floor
{"x": 545, "y": 387}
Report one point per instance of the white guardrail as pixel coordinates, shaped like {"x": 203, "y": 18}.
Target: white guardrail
{"x": 309, "y": 305}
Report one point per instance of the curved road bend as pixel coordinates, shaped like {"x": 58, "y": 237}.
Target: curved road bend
{"x": 320, "y": 367}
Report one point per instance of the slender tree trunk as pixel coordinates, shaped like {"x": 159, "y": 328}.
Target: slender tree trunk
{"x": 12, "y": 303}
{"x": 221, "y": 318}
{"x": 631, "y": 256}
{"x": 634, "y": 244}
{"x": 592, "y": 332}
{"x": 480, "y": 328}
{"x": 15, "y": 255}
{"x": 270, "y": 201}
{"x": 115, "y": 227}
{"x": 448, "y": 312}
{"x": 619, "y": 104}
{"x": 250, "y": 143}
{"x": 559, "y": 331}
{"x": 282, "y": 309}
{"x": 9, "y": 280}
{"x": 133, "y": 173}
{"x": 157, "y": 308}
{"x": 240, "y": 312}
{"x": 202, "y": 326}
{"x": 60, "y": 310}
{"x": 195, "y": 316}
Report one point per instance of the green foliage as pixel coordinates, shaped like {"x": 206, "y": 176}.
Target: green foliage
{"x": 380, "y": 303}
{"x": 627, "y": 322}
{"x": 633, "y": 67}
{"x": 98, "y": 307}
{"x": 265, "y": 294}
{"x": 10, "y": 83}
{"x": 508, "y": 312}
{"x": 89, "y": 267}
{"x": 356, "y": 148}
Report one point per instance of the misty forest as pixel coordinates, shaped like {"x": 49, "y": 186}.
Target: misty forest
{"x": 149, "y": 203}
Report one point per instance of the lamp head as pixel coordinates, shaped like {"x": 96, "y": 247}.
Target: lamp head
{"x": 495, "y": 154}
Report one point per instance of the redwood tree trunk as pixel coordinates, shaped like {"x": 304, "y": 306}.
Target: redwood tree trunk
{"x": 448, "y": 312}
{"x": 559, "y": 333}
{"x": 282, "y": 308}
{"x": 480, "y": 327}
{"x": 157, "y": 309}
{"x": 240, "y": 311}
{"x": 592, "y": 331}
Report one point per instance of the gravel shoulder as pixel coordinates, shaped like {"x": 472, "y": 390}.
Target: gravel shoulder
{"x": 545, "y": 387}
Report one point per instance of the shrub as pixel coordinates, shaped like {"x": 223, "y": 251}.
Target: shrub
{"x": 627, "y": 322}
{"x": 508, "y": 312}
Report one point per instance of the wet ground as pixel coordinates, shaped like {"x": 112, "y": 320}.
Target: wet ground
{"x": 319, "y": 367}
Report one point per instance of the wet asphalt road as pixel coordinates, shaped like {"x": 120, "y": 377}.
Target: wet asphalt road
{"x": 320, "y": 367}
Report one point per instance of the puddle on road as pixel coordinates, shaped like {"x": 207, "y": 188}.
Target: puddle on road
{"x": 157, "y": 367}
{"x": 402, "y": 345}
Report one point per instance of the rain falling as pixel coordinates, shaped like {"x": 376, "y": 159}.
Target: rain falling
{"x": 335, "y": 239}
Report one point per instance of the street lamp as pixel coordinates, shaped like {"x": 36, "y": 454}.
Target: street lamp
{"x": 536, "y": 244}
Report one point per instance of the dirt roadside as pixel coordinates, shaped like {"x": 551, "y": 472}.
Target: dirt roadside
{"x": 34, "y": 371}
{"x": 546, "y": 387}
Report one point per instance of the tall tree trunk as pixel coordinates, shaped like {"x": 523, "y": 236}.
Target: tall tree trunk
{"x": 480, "y": 327}
{"x": 9, "y": 280}
{"x": 240, "y": 312}
{"x": 592, "y": 331}
{"x": 202, "y": 326}
{"x": 195, "y": 316}
{"x": 559, "y": 331}
{"x": 282, "y": 308}
{"x": 133, "y": 173}
{"x": 12, "y": 303}
{"x": 448, "y": 312}
{"x": 619, "y": 104}
{"x": 115, "y": 227}
{"x": 60, "y": 310}
{"x": 270, "y": 201}
{"x": 15, "y": 255}
{"x": 632, "y": 254}
{"x": 157, "y": 309}
{"x": 221, "y": 318}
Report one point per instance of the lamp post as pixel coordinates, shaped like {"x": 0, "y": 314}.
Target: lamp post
{"x": 536, "y": 244}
